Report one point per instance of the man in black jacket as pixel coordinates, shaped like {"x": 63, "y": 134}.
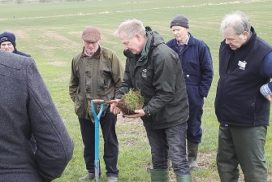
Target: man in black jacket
{"x": 245, "y": 65}
{"x": 154, "y": 69}
{"x": 27, "y": 110}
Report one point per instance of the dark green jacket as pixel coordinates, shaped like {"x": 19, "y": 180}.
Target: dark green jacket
{"x": 157, "y": 73}
{"x": 95, "y": 77}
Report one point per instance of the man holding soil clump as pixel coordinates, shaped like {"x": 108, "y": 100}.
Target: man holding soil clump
{"x": 154, "y": 69}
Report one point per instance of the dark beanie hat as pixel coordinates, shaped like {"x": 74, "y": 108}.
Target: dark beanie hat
{"x": 8, "y": 36}
{"x": 179, "y": 21}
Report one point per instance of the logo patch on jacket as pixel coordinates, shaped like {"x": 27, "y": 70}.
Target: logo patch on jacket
{"x": 144, "y": 75}
{"x": 242, "y": 65}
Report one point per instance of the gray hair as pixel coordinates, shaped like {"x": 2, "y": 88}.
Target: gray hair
{"x": 130, "y": 28}
{"x": 238, "y": 21}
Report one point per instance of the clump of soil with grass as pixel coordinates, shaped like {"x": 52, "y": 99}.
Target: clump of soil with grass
{"x": 131, "y": 101}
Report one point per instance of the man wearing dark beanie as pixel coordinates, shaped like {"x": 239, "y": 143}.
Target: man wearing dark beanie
{"x": 180, "y": 20}
{"x": 8, "y": 43}
{"x": 197, "y": 67}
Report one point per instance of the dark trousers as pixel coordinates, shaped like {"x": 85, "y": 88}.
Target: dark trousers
{"x": 172, "y": 140}
{"x": 244, "y": 146}
{"x": 110, "y": 156}
{"x": 196, "y": 102}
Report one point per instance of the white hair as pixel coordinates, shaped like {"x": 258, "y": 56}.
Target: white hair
{"x": 130, "y": 28}
{"x": 238, "y": 21}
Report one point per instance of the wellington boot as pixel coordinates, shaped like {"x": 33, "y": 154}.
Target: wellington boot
{"x": 159, "y": 175}
{"x": 192, "y": 154}
{"x": 184, "y": 178}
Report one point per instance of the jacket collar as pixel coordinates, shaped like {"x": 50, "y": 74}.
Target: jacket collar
{"x": 96, "y": 55}
{"x": 250, "y": 41}
{"x": 144, "y": 53}
{"x": 147, "y": 46}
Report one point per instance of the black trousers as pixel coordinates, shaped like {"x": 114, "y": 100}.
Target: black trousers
{"x": 110, "y": 156}
{"x": 169, "y": 142}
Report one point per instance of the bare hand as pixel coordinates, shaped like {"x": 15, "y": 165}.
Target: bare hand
{"x": 269, "y": 97}
{"x": 113, "y": 106}
{"x": 138, "y": 113}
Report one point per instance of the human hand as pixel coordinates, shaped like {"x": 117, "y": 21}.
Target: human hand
{"x": 138, "y": 113}
{"x": 113, "y": 106}
{"x": 269, "y": 97}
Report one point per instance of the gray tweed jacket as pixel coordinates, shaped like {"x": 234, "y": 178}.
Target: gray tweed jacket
{"x": 27, "y": 111}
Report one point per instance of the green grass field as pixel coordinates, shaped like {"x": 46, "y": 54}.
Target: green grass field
{"x": 50, "y": 32}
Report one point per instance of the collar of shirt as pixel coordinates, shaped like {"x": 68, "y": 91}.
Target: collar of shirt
{"x": 95, "y": 55}
{"x": 186, "y": 41}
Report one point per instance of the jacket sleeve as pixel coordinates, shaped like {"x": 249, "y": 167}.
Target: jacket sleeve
{"x": 267, "y": 66}
{"x": 74, "y": 81}
{"x": 54, "y": 146}
{"x": 117, "y": 72}
{"x": 270, "y": 86}
{"x": 163, "y": 82}
{"x": 266, "y": 71}
{"x": 206, "y": 67}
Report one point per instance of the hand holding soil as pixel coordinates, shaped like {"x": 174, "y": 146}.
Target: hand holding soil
{"x": 138, "y": 113}
{"x": 130, "y": 104}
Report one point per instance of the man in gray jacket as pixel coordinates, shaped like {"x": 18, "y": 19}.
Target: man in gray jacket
{"x": 27, "y": 110}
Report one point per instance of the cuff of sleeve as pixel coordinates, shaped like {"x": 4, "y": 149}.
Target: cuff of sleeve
{"x": 147, "y": 112}
{"x": 270, "y": 85}
{"x": 265, "y": 90}
{"x": 118, "y": 96}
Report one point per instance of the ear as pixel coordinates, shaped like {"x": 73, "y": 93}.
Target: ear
{"x": 246, "y": 35}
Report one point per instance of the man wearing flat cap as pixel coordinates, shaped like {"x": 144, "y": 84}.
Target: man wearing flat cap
{"x": 197, "y": 67}
{"x": 96, "y": 74}
{"x": 8, "y": 43}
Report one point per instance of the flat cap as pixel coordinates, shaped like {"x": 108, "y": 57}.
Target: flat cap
{"x": 91, "y": 34}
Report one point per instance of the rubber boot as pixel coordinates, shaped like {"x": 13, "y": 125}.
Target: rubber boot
{"x": 184, "y": 178}
{"x": 159, "y": 175}
{"x": 192, "y": 154}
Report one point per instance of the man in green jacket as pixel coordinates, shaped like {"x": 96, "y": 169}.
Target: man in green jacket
{"x": 96, "y": 74}
{"x": 154, "y": 69}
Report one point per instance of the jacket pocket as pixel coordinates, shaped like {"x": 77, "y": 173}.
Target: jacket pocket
{"x": 105, "y": 79}
{"x": 79, "y": 105}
